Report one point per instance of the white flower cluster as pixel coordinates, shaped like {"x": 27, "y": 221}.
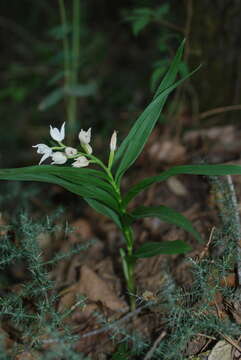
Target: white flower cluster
{"x": 61, "y": 157}
{"x": 63, "y": 152}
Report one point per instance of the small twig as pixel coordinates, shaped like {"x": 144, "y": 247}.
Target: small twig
{"x": 218, "y": 110}
{"x": 231, "y": 341}
{"x": 154, "y": 346}
{"x": 205, "y": 250}
{"x": 103, "y": 329}
{"x": 207, "y": 336}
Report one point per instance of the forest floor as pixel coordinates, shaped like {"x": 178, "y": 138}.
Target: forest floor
{"x": 96, "y": 272}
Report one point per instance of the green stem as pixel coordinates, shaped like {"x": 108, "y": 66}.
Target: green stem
{"x": 65, "y": 43}
{"x": 72, "y": 99}
{"x": 127, "y": 263}
{"x": 128, "y": 266}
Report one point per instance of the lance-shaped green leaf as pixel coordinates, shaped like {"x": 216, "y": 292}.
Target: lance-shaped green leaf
{"x": 209, "y": 170}
{"x": 171, "y": 74}
{"x": 104, "y": 210}
{"x": 167, "y": 81}
{"x": 150, "y": 249}
{"x": 85, "y": 185}
{"x": 167, "y": 214}
{"x": 148, "y": 120}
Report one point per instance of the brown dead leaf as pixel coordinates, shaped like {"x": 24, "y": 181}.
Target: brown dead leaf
{"x": 167, "y": 152}
{"x": 176, "y": 186}
{"x": 81, "y": 232}
{"x": 96, "y": 289}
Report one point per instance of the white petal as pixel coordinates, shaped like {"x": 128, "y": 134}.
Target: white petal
{"x": 81, "y": 161}
{"x": 62, "y": 131}
{"x": 44, "y": 157}
{"x": 70, "y": 151}
{"x": 42, "y": 149}
{"x": 56, "y": 134}
{"x": 85, "y": 136}
{"x": 58, "y": 158}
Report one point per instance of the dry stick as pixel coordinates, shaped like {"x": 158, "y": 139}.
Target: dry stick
{"x": 154, "y": 346}
{"x": 206, "y": 248}
{"x": 218, "y": 110}
{"x": 103, "y": 329}
{"x": 237, "y": 225}
{"x": 231, "y": 341}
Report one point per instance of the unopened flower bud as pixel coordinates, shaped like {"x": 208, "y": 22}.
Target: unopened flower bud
{"x": 81, "y": 161}
{"x": 69, "y": 151}
{"x": 58, "y": 158}
{"x": 113, "y": 141}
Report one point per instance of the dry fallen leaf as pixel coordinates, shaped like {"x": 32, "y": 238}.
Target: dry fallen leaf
{"x": 96, "y": 289}
{"x": 176, "y": 186}
{"x": 168, "y": 152}
{"x": 81, "y": 231}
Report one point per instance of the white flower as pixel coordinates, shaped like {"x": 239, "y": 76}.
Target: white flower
{"x": 56, "y": 134}
{"x": 58, "y": 158}
{"x": 43, "y": 149}
{"x": 69, "y": 151}
{"x": 84, "y": 136}
{"x": 113, "y": 141}
{"x": 81, "y": 161}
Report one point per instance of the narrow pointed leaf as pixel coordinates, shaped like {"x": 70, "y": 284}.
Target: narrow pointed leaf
{"x": 209, "y": 170}
{"x": 79, "y": 182}
{"x": 148, "y": 120}
{"x": 104, "y": 210}
{"x": 171, "y": 74}
{"x": 168, "y": 215}
{"x": 166, "y": 82}
{"x": 150, "y": 249}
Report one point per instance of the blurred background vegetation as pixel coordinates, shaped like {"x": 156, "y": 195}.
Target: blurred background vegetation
{"x": 117, "y": 53}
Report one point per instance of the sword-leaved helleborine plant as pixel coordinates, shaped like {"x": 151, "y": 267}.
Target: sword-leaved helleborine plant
{"x": 101, "y": 187}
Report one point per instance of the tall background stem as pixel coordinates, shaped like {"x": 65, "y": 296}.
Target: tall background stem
{"x": 72, "y": 103}
{"x": 71, "y": 62}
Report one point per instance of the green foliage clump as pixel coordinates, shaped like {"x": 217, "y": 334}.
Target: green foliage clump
{"x": 29, "y": 307}
{"x": 190, "y": 312}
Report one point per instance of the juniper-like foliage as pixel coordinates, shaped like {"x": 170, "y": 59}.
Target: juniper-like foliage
{"x": 28, "y": 307}
{"x": 191, "y": 311}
